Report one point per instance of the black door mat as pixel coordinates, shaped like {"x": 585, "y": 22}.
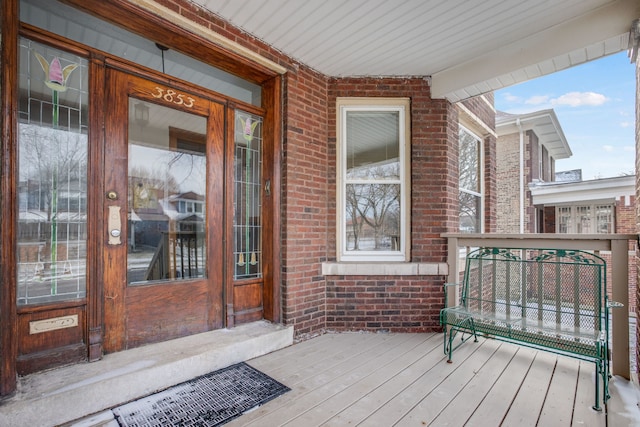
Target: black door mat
{"x": 210, "y": 400}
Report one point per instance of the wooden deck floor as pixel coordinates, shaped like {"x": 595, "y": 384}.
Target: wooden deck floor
{"x": 379, "y": 380}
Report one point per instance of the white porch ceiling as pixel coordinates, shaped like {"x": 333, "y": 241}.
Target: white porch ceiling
{"x": 467, "y": 47}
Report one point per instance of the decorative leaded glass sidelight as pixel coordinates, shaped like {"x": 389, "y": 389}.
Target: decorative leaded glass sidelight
{"x": 52, "y": 174}
{"x": 247, "y": 219}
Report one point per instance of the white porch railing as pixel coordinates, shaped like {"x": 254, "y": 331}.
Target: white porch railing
{"x": 617, "y": 244}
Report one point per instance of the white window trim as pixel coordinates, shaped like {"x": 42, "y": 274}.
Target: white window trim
{"x": 480, "y": 175}
{"x": 402, "y": 106}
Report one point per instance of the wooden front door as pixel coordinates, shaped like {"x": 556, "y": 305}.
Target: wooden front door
{"x": 163, "y": 209}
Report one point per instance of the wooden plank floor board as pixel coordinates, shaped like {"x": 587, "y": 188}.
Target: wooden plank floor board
{"x": 299, "y": 371}
{"x": 470, "y": 397}
{"x": 382, "y": 395}
{"x": 328, "y": 346}
{"x": 558, "y": 404}
{"x": 526, "y": 407}
{"x": 323, "y": 413}
{"x": 298, "y": 410}
{"x": 380, "y": 380}
{"x": 330, "y": 377}
{"x": 440, "y": 385}
{"x": 497, "y": 401}
{"x": 583, "y": 413}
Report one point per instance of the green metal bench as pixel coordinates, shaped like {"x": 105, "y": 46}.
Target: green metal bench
{"x": 554, "y": 300}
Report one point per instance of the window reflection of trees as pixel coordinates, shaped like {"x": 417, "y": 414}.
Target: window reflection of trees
{"x": 52, "y": 194}
{"x": 373, "y": 210}
{"x": 470, "y": 198}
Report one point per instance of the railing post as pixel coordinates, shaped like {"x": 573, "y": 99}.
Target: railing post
{"x": 453, "y": 259}
{"x": 620, "y": 293}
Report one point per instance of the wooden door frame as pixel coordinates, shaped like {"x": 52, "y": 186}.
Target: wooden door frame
{"x": 140, "y": 21}
{"x": 121, "y": 86}
{"x": 8, "y": 194}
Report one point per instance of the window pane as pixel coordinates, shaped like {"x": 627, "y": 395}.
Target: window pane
{"x": 564, "y": 220}
{"x": 373, "y": 188}
{"x": 470, "y": 206}
{"x": 469, "y": 162}
{"x": 373, "y": 145}
{"x": 583, "y": 219}
{"x": 167, "y": 175}
{"x": 52, "y": 169}
{"x": 372, "y": 217}
{"x": 247, "y": 224}
{"x": 604, "y": 219}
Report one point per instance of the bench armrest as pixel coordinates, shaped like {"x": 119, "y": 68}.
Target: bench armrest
{"x": 614, "y": 304}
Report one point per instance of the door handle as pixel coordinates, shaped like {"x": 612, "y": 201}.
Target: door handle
{"x": 115, "y": 225}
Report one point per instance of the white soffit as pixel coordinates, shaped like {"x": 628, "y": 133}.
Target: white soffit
{"x": 468, "y": 47}
{"x": 543, "y": 123}
{"x": 596, "y": 190}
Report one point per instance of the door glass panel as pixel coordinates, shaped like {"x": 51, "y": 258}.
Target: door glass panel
{"x": 52, "y": 174}
{"x": 166, "y": 193}
{"x": 247, "y": 220}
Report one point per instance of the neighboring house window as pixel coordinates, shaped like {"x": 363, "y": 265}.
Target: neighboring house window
{"x": 373, "y": 179}
{"x": 584, "y": 219}
{"x": 470, "y": 196}
{"x": 189, "y": 207}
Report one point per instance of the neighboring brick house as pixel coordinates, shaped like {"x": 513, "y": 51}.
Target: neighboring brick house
{"x": 556, "y": 202}
{"x": 605, "y": 205}
{"x": 527, "y": 148}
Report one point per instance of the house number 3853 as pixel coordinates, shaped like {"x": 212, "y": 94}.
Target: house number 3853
{"x": 170, "y": 95}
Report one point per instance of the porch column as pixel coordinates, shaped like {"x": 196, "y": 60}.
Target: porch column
{"x": 453, "y": 259}
{"x": 620, "y": 316}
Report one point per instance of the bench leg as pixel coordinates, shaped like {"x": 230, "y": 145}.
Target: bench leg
{"x": 453, "y": 330}
{"x": 596, "y": 405}
{"x": 602, "y": 370}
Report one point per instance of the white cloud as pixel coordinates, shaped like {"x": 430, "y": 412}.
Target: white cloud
{"x": 625, "y": 124}
{"x": 512, "y": 98}
{"x": 537, "y": 100}
{"x": 578, "y": 99}
{"x": 608, "y": 148}
{"x": 629, "y": 148}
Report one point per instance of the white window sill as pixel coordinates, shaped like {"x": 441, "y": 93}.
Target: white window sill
{"x": 385, "y": 269}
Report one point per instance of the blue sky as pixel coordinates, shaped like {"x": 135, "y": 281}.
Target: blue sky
{"x": 595, "y": 104}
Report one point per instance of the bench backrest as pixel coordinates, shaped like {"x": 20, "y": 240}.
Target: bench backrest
{"x": 565, "y": 289}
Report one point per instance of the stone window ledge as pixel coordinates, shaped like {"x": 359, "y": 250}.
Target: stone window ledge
{"x": 384, "y": 269}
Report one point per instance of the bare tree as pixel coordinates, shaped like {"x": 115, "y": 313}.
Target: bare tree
{"x": 375, "y": 205}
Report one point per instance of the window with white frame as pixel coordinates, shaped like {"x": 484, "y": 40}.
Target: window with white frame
{"x": 373, "y": 179}
{"x": 585, "y": 219}
{"x": 470, "y": 169}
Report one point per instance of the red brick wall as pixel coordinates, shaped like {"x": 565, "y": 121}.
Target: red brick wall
{"x": 532, "y": 171}
{"x": 507, "y": 172}
{"x": 402, "y": 303}
{"x": 637, "y": 216}
{"x": 508, "y": 181}
{"x": 482, "y": 107}
{"x": 491, "y": 216}
{"x": 305, "y": 211}
{"x": 626, "y": 224}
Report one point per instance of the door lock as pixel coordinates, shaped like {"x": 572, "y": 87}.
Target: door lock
{"x": 114, "y": 224}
